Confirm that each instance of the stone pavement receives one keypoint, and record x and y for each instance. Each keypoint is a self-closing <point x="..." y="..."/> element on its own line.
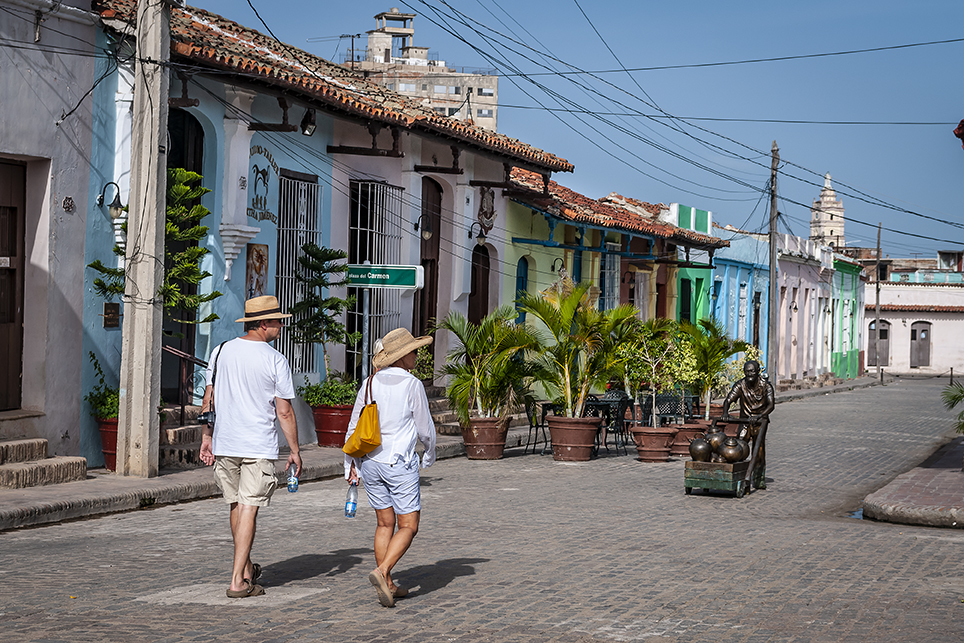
<point x="526" y="549"/>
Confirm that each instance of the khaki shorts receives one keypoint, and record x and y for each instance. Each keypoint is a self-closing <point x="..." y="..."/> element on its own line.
<point x="247" y="481"/>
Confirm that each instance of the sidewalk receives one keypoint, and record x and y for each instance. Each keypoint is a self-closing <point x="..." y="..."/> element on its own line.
<point x="932" y="494"/>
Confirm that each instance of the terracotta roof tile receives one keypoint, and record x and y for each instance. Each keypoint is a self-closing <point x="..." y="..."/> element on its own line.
<point x="209" y="40"/>
<point x="568" y="204"/>
<point x="916" y="308"/>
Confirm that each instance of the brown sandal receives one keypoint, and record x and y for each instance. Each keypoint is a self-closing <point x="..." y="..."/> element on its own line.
<point x="250" y="590"/>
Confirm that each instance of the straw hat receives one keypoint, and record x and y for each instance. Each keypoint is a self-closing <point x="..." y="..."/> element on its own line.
<point x="396" y="345"/>
<point x="259" y="308"/>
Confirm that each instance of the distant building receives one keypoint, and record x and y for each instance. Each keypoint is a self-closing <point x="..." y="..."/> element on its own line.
<point x="392" y="60"/>
<point x="827" y="217"/>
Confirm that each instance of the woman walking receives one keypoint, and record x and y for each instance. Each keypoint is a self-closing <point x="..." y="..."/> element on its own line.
<point x="390" y="472"/>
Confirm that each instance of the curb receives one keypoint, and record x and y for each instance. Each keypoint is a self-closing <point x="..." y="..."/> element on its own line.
<point x="790" y="396"/>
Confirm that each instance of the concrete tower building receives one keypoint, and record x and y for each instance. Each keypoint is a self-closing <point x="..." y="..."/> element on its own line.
<point x="827" y="217"/>
<point x="392" y="60"/>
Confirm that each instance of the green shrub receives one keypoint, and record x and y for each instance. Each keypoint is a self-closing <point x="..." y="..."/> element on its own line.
<point x="334" y="390"/>
<point x="104" y="400"/>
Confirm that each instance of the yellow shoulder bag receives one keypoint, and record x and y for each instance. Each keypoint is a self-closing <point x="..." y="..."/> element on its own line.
<point x="367" y="436"/>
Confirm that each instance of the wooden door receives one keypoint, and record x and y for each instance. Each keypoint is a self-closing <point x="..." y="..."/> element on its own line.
<point x="479" y="296"/>
<point x="12" y="203"/>
<point x="427" y="308"/>
<point x="920" y="344"/>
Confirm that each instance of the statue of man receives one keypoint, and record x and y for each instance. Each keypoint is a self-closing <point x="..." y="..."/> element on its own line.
<point x="755" y="395"/>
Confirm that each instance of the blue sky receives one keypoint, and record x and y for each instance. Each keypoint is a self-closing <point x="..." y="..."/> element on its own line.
<point x="878" y="169"/>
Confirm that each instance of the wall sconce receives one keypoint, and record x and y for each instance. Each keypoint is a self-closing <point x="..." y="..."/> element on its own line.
<point x="426" y="224"/>
<point x="553" y="268"/>
<point x="793" y="307"/>
<point x="116" y="208"/>
<point x="308" y="122"/>
<point x="480" y="235"/>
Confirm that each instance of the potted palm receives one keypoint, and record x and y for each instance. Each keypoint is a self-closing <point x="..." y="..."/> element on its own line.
<point x="104" y="403"/>
<point x="711" y="348"/>
<point x="317" y="321"/>
<point x="487" y="377"/>
<point x="577" y="354"/>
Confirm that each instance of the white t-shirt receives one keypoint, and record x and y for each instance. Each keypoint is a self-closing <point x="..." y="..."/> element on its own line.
<point x="251" y="374"/>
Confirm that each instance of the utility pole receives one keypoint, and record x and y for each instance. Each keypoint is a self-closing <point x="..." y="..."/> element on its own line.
<point x="772" y="339"/>
<point x="140" y="373"/>
<point x="877" y="306"/>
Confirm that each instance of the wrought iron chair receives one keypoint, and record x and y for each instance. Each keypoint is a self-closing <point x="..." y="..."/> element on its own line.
<point x="533" y="415"/>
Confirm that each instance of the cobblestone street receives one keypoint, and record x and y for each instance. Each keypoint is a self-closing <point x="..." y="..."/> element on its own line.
<point x="528" y="549"/>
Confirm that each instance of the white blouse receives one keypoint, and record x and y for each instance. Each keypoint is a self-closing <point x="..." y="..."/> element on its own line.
<point x="403" y="416"/>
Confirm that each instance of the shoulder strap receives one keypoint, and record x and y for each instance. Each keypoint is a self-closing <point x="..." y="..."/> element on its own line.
<point x="368" y="389"/>
<point x="214" y="375"/>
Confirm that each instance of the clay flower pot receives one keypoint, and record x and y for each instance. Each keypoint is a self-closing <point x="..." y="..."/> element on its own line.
<point x="108" y="441"/>
<point x="331" y="424"/>
<point x="653" y="443"/>
<point x="687" y="432"/>
<point x="485" y="438"/>
<point x="572" y="438"/>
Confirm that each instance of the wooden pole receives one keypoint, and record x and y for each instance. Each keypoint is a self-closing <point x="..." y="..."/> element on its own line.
<point x="772" y="339"/>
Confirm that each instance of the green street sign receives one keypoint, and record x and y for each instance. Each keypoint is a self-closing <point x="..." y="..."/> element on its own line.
<point x="371" y="276"/>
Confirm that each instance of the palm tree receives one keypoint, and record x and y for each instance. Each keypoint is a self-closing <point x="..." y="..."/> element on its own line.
<point x="487" y="369"/>
<point x="577" y="344"/>
<point x="712" y="348"/>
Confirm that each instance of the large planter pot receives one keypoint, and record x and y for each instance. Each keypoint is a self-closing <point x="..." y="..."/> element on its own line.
<point x="485" y="438"/>
<point x="331" y="424"/>
<point x="108" y="441"/>
<point x="653" y="443"/>
<point x="687" y="432"/>
<point x="572" y="438"/>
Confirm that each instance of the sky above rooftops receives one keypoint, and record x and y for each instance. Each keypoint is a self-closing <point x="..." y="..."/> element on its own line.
<point x="616" y="126"/>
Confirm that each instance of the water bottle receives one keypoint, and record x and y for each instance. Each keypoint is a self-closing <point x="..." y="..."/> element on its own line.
<point x="292" y="478"/>
<point x="351" y="501"/>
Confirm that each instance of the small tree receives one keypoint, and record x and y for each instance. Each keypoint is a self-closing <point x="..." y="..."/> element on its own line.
<point x="182" y="254"/>
<point x="646" y="356"/>
<point x="711" y="348"/>
<point x="317" y="315"/>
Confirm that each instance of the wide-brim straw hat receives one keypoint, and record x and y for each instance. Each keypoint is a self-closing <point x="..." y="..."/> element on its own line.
<point x="396" y="345"/>
<point x="260" y="308"/>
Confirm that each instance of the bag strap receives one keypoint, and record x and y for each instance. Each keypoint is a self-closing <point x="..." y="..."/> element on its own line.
<point x="368" y="389"/>
<point x="214" y="375"/>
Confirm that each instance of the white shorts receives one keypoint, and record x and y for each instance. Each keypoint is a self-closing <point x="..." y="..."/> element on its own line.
<point x="393" y="486"/>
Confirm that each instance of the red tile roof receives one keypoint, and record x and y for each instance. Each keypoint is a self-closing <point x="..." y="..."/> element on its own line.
<point x="208" y="40"/>
<point x="916" y="308"/>
<point x="570" y="205"/>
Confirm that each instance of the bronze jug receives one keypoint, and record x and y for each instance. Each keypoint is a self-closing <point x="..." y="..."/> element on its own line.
<point x="715" y="437"/>
<point x="700" y="450"/>
<point x="732" y="450"/>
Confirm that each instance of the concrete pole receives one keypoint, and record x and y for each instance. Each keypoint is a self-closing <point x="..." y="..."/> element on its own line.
<point x="877" y="306"/>
<point x="773" y="340"/>
<point x="138" y="427"/>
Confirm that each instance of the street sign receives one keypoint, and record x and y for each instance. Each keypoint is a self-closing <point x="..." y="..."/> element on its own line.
<point x="372" y="276"/>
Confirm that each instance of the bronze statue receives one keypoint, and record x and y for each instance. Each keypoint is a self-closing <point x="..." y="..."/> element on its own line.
<point x="755" y="395"/>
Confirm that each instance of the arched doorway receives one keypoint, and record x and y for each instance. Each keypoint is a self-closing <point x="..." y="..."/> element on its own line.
<point x="431" y="219"/>
<point x="920" y="344"/>
<point x="521" y="285"/>
<point x="186" y="150"/>
<point x="883" y="343"/>
<point x="479" y="296"/>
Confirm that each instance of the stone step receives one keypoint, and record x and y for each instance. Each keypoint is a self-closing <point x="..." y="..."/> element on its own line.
<point x="17" y="475"/>
<point x="453" y="428"/>
<point x="24" y="450"/>
<point x="180" y="456"/>
<point x="181" y="435"/>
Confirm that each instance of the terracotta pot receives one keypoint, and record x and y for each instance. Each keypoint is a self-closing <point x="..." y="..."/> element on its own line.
<point x="687" y="432"/>
<point x="485" y="438"/>
<point x="572" y="438"/>
<point x="653" y="443"/>
<point x="108" y="441"/>
<point x="331" y="424"/>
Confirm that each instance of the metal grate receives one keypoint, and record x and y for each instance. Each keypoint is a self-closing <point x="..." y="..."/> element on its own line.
<point x="297" y="225"/>
<point x="375" y="235"/>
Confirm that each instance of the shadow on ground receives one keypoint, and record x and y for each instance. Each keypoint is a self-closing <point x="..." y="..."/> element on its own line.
<point x="312" y="565"/>
<point x="429" y="578"/>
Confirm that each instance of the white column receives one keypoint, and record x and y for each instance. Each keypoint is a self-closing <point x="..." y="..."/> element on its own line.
<point x="123" y="107"/>
<point x="235" y="231"/>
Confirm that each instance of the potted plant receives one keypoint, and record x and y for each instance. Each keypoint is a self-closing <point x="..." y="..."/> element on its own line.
<point x="577" y="354"/>
<point x="317" y="321"/>
<point x="104" y="403"/>
<point x="488" y="377"/>
<point x="331" y="405"/>
<point x="711" y="348"/>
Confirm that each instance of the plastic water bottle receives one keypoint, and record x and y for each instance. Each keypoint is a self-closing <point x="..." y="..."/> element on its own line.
<point x="351" y="501"/>
<point x="292" y="479"/>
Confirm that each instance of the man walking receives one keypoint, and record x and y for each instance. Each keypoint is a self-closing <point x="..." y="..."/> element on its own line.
<point x="250" y="386"/>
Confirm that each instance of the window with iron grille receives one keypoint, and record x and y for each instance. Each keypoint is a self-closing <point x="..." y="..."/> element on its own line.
<point x="297" y="225"/>
<point x="609" y="278"/>
<point x="374" y="235"/>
